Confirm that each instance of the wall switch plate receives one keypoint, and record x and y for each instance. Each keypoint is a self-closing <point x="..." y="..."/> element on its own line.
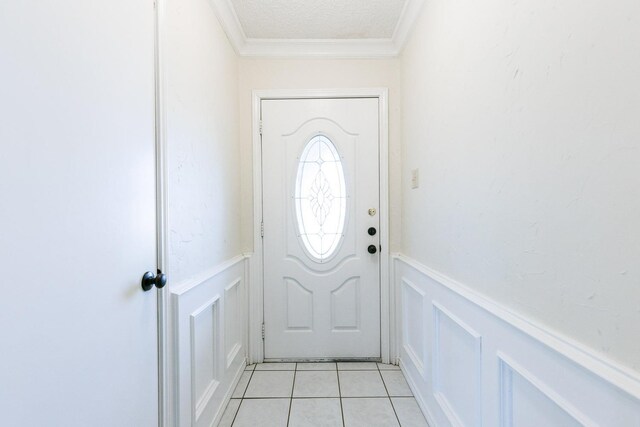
<point x="415" y="178"/>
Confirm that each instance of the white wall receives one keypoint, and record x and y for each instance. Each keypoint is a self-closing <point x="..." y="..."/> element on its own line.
<point x="318" y="74"/>
<point x="522" y="118"/>
<point x="207" y="274"/>
<point x="201" y="122"/>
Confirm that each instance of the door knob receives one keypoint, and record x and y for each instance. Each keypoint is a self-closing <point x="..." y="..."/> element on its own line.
<point x="372" y="249"/>
<point x="149" y="280"/>
<point x="371" y="231"/>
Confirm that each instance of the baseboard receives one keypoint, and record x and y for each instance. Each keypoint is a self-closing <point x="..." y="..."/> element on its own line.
<point x="418" y="396"/>
<point x="227" y="397"/>
<point x="470" y="361"/>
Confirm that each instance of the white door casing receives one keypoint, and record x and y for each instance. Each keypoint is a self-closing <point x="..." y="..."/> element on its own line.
<point x="77" y="170"/>
<point x="321" y="306"/>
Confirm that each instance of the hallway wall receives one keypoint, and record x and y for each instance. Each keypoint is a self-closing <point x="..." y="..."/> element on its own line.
<point x="206" y="270"/>
<point x="201" y="112"/>
<point x="318" y="74"/>
<point x="522" y="119"/>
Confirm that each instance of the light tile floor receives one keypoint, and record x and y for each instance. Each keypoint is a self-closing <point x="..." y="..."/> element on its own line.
<point x="350" y="394"/>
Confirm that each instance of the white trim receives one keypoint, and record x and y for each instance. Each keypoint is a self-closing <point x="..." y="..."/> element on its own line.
<point x="189" y="284"/>
<point x="226" y="14"/>
<point x="198" y="405"/>
<point x="256" y="285"/>
<point x="420" y="398"/>
<point x="418" y="362"/>
<point x="408" y="17"/>
<point x="385" y="220"/>
<point x="230" y="355"/>
<point x="507" y="368"/>
<point x="228" y="395"/>
<point x="245" y="298"/>
<point x="318" y="48"/>
<point x="395" y="313"/>
<point x="549" y="367"/>
<point x="185" y="300"/>
<point x="254" y="295"/>
<point x="436" y="372"/>
<point x="164" y="390"/>
<point x="606" y="369"/>
<point x="259" y="95"/>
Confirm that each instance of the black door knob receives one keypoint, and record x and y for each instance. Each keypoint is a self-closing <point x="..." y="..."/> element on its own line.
<point x="371" y="231"/>
<point x="149" y="280"/>
<point x="372" y="249"/>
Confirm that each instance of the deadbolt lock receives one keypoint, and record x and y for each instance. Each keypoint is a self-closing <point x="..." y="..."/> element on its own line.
<point x="372" y="212"/>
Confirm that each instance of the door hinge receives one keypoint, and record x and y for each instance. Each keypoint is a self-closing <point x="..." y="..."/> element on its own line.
<point x="262" y="229"/>
<point x="263" y="331"/>
<point x="260" y="127"/>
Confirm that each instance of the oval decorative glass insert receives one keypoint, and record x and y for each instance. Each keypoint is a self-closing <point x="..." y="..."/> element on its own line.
<point x="320" y="198"/>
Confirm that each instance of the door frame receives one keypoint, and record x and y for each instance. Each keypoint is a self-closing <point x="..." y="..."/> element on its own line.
<point x="256" y="282"/>
<point x="162" y="228"/>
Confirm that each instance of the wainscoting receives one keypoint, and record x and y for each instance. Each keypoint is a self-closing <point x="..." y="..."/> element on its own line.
<point x="208" y="316"/>
<point x="470" y="362"/>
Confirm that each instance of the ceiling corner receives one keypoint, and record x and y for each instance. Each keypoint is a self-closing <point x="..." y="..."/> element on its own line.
<point x="316" y="48"/>
<point x="406" y="22"/>
<point x="230" y="24"/>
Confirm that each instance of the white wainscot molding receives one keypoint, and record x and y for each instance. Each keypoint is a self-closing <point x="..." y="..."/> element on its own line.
<point x="471" y="362"/>
<point x="208" y="329"/>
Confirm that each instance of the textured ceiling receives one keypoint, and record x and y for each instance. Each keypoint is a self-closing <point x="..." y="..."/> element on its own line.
<point x="318" y="19"/>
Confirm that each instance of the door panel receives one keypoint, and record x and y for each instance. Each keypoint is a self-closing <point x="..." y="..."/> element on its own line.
<point x="77" y="186"/>
<point x="322" y="286"/>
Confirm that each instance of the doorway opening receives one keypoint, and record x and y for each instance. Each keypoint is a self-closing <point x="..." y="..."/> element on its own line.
<point x="320" y="282"/>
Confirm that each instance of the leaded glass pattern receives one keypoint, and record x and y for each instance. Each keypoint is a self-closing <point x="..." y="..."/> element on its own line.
<point x="320" y="198"/>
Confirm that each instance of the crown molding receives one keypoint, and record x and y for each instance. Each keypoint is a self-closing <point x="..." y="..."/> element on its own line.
<point x="230" y="23"/>
<point x="316" y="48"/>
<point x="408" y="17"/>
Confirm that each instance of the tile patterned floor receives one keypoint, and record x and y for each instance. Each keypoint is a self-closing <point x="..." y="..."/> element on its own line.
<point x="350" y="394"/>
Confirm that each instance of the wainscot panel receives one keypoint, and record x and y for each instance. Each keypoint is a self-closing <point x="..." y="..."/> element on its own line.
<point x="471" y="362"/>
<point x="209" y="334"/>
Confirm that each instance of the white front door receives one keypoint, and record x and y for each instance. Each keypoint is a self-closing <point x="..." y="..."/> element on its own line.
<point x="77" y="214"/>
<point x="321" y="228"/>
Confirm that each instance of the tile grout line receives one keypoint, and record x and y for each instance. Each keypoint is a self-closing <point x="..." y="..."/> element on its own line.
<point x="243" y="393"/>
<point x="324" y="397"/>
<point x="340" y="395"/>
<point x="293" y="386"/>
<point x="284" y="397"/>
<point x="393" y="408"/>
<point x="236" y="414"/>
<point x="248" y="382"/>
